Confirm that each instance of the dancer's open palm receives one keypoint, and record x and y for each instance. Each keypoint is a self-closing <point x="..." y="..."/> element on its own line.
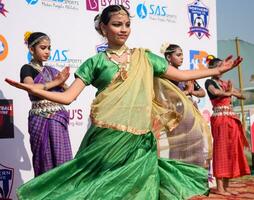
<point x="63" y="75"/>
<point x="24" y="86"/>
<point x="229" y="64"/>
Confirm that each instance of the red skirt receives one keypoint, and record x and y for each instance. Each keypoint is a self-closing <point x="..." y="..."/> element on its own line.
<point x="229" y="160"/>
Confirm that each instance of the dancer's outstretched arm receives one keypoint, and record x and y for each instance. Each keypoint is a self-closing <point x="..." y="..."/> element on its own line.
<point x="65" y="97"/>
<point x="185" y="75"/>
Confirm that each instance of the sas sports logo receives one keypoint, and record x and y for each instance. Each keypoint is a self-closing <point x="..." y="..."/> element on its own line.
<point x="155" y="12"/>
<point x="3" y="48"/>
<point x="32" y="2"/>
<point x="142" y="11"/>
<point x="60" y="55"/>
<point x="151" y="10"/>
<point x="199" y="19"/>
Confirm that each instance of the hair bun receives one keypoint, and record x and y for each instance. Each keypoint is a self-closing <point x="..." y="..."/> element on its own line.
<point x="164" y="47"/>
<point x="26" y="36"/>
<point x="97" y="21"/>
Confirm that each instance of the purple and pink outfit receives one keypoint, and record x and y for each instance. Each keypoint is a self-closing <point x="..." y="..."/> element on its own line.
<point x="47" y="125"/>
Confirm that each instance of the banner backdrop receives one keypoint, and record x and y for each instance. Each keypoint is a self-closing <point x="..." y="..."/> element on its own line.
<point x="69" y="23"/>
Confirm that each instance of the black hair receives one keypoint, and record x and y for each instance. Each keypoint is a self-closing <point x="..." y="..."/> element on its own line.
<point x="106" y="14"/>
<point x="34" y="38"/>
<point x="213" y="63"/>
<point x="171" y="49"/>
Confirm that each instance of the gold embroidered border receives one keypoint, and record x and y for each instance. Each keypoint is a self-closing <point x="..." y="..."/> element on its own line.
<point x="118" y="127"/>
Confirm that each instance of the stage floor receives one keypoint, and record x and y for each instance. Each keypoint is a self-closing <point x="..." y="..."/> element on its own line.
<point x="244" y="186"/>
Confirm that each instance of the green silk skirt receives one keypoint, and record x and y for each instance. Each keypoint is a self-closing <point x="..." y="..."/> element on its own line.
<point x="112" y="165"/>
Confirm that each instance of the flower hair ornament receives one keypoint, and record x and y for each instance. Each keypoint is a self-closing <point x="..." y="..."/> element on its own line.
<point x="164" y="47"/>
<point x="26" y="37"/>
<point x="209" y="58"/>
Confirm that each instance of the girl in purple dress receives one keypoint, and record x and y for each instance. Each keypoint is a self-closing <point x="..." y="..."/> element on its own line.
<point x="47" y="121"/>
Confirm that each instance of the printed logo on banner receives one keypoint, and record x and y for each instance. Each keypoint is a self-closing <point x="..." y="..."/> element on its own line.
<point x="32" y="2"/>
<point x="57" y="4"/>
<point x="60" y="58"/>
<point x="6" y="182"/>
<point x="156" y="12"/>
<point x="199" y="18"/>
<point x="3" y="11"/>
<point x="3" y="48"/>
<point x="92" y="5"/>
<point x="101" y="47"/>
<point x="96" y="5"/>
<point x="6" y="119"/>
<point x="76" y="117"/>
<point x="55" y="55"/>
<point x="198" y="59"/>
<point x="142" y="11"/>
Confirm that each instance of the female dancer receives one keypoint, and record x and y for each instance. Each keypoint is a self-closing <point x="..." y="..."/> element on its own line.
<point x="174" y="55"/>
<point x="47" y="121"/>
<point x="187" y="142"/>
<point x="117" y="158"/>
<point x="228" y="135"/>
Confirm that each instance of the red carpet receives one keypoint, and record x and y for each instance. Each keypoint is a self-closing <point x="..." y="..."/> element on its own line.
<point x="244" y="186"/>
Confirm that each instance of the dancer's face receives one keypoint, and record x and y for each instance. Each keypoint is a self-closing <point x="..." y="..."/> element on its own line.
<point x="117" y="30"/>
<point x="176" y="58"/>
<point x="41" y="51"/>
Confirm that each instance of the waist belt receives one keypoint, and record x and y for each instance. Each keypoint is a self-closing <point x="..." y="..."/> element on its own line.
<point x="223" y="111"/>
<point x="43" y="107"/>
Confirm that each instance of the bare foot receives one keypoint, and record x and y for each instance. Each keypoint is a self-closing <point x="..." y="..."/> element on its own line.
<point x="232" y="192"/>
<point x="224" y="193"/>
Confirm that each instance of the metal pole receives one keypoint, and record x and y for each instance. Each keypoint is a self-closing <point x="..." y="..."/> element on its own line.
<point x="240" y="82"/>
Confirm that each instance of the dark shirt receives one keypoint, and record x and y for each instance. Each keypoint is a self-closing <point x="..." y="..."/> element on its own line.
<point x="27" y="70"/>
<point x="209" y="82"/>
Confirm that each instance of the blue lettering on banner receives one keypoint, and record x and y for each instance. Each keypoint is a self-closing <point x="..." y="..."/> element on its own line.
<point x="158" y="10"/>
<point x="57" y="55"/>
<point x="151" y="9"/>
<point x="32" y="2"/>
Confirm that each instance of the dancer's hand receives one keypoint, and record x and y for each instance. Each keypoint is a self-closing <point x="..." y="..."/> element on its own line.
<point x="189" y="87"/>
<point x="63" y="76"/>
<point x="229" y="86"/>
<point x="23" y="86"/>
<point x="229" y="64"/>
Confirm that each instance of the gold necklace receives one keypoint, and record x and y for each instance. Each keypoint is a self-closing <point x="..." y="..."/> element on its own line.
<point x="118" y="52"/>
<point x="123" y="66"/>
<point x="36" y="66"/>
